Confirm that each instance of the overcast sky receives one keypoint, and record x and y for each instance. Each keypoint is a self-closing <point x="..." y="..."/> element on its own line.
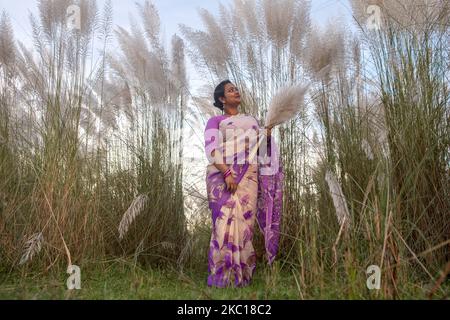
<point x="172" y="13"/>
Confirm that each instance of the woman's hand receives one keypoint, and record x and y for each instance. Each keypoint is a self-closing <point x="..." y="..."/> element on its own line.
<point x="231" y="184"/>
<point x="269" y="130"/>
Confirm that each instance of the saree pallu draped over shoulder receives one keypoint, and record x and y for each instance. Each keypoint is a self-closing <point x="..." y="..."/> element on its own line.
<point x="259" y="175"/>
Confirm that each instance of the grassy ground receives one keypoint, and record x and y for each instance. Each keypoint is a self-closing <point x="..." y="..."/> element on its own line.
<point x="123" y="281"/>
<point x="128" y="283"/>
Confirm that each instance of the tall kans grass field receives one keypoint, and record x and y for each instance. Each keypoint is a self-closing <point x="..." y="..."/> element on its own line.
<point x="102" y="162"/>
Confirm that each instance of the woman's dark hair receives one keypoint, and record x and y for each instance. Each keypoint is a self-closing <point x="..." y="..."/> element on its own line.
<point x="219" y="92"/>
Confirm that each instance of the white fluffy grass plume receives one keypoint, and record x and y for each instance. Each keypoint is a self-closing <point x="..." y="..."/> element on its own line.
<point x="135" y="209"/>
<point x="286" y="104"/>
<point x="408" y="15"/>
<point x="339" y="201"/>
<point x="32" y="247"/>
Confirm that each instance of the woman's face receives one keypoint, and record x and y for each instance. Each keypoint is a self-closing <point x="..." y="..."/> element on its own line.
<point x="232" y="96"/>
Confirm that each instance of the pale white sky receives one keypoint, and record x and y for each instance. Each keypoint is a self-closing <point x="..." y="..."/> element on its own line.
<point x="172" y="13"/>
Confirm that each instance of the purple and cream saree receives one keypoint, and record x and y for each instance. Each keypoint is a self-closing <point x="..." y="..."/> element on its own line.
<point x="257" y="171"/>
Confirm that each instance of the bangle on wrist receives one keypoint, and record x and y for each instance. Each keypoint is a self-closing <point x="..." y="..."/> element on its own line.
<point x="227" y="173"/>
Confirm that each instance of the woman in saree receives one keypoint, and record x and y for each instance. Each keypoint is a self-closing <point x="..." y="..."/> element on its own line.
<point x="244" y="186"/>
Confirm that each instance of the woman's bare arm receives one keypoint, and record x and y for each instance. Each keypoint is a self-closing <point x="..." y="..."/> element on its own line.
<point x="229" y="181"/>
<point x="220" y="166"/>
